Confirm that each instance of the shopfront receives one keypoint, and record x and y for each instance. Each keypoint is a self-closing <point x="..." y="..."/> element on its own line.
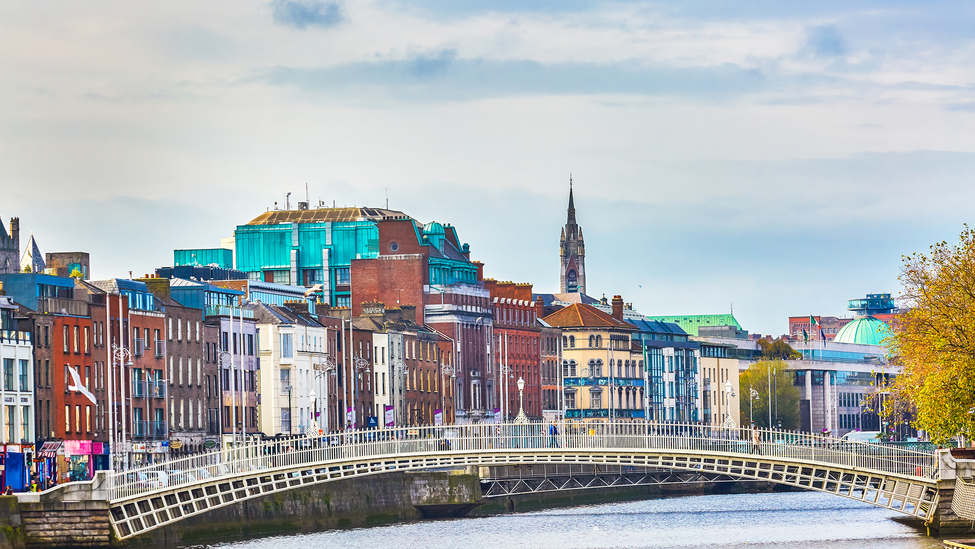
<point x="16" y="466"/>
<point x="47" y="463"/>
<point x="79" y="464"/>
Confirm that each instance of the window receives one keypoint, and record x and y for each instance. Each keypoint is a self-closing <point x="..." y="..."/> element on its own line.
<point x="87" y="335"/>
<point x="24" y="422"/>
<point x="87" y="418"/>
<point x="572" y="341"/>
<point x="570" y="400"/>
<point x="595" y="399"/>
<point x="77" y="418"/>
<point x="343" y="276"/>
<point x="67" y="418"/>
<point x="286" y="346"/>
<point x="225" y="340"/>
<point x="285" y="380"/>
<point x="65" y="338"/>
<point x="8" y="375"/>
<point x="250" y="344"/>
<point x="285" y="420"/>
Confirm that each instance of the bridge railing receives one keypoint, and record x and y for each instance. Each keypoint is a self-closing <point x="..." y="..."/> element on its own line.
<point x="532" y="437"/>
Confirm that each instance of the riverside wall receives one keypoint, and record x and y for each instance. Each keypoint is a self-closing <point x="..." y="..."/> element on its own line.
<point x="363" y="501"/>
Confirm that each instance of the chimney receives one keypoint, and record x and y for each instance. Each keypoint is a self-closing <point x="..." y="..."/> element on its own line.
<point x="618" y="308"/>
<point x="539" y="307"/>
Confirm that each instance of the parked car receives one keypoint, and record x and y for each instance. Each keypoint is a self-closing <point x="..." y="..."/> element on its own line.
<point x="153" y="479"/>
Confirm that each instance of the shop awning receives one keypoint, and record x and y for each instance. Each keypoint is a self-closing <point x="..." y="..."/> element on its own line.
<point x="50" y="449"/>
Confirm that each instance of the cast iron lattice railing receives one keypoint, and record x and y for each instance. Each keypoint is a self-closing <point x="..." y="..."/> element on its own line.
<point x="636" y="436"/>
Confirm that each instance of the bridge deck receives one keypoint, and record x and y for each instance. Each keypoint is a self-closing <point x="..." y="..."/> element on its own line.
<point x="895" y="478"/>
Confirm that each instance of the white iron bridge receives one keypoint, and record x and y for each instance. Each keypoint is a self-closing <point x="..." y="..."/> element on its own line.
<point x="893" y="477"/>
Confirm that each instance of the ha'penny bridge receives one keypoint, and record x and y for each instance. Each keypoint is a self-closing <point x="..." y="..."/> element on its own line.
<point x="903" y="479"/>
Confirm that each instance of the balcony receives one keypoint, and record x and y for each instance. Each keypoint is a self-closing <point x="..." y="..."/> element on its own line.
<point x="138" y="389"/>
<point x="227" y="310"/>
<point x="156" y="389"/>
<point x="149" y="429"/>
<point x="62" y="306"/>
<point x="160" y="348"/>
<point x="138" y="347"/>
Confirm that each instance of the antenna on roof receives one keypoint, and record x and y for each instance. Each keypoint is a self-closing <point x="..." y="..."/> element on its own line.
<point x="307" y="200"/>
<point x="387" y="198"/>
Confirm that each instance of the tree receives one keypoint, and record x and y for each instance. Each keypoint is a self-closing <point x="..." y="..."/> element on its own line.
<point x="778" y="349"/>
<point x="783" y="397"/>
<point x="934" y="340"/>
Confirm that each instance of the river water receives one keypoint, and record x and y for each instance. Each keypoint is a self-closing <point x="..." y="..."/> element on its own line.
<point x="801" y="520"/>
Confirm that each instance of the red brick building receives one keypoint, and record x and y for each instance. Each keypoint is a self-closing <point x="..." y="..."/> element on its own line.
<point x="517" y="338"/>
<point x="427" y="267"/>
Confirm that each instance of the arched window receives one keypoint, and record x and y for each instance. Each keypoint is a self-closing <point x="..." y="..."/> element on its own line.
<point x="565" y="342"/>
<point x="572" y="341"/>
<point x="572" y="368"/>
<point x="599" y="341"/>
<point x="598" y="368"/>
<point x="592" y="340"/>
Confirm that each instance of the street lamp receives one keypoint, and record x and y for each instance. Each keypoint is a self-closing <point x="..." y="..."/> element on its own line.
<point x="313" y="425"/>
<point x="360" y="365"/>
<point x="754" y="397"/>
<point x="324" y="368"/>
<point x="122" y="355"/>
<point x="729" y="394"/>
<point x="521" y="417"/>
<point x="445" y="370"/>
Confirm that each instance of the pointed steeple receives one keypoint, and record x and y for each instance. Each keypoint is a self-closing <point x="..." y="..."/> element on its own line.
<point x="571" y="220"/>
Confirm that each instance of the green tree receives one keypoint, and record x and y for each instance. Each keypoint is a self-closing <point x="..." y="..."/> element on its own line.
<point x="765" y="383"/>
<point x="934" y="340"/>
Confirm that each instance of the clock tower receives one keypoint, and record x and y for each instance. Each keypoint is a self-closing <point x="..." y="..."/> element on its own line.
<point x="572" y="252"/>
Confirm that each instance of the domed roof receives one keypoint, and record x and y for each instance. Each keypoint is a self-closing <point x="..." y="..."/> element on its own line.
<point x="863" y="331"/>
<point x="433" y="228"/>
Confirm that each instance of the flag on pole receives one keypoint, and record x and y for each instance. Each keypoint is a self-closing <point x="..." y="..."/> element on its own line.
<point x="805" y="335"/>
<point x="821" y="334"/>
<point x="812" y="320"/>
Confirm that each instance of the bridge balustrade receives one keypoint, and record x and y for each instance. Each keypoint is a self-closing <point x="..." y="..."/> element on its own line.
<point x="332" y="449"/>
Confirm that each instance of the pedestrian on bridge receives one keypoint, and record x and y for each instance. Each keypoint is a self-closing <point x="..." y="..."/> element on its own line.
<point x="756" y="449"/>
<point x="553" y="436"/>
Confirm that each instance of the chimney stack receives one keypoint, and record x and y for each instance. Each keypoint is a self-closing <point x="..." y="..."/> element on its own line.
<point x="539" y="307"/>
<point x="618" y="307"/>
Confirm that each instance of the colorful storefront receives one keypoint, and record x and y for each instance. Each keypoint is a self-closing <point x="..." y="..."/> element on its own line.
<point x="16" y="466"/>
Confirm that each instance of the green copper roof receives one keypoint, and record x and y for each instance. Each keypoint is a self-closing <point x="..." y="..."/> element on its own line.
<point x="690" y="323"/>
<point x="863" y="331"/>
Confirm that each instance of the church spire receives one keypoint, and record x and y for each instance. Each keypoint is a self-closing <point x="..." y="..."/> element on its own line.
<point x="571" y="220"/>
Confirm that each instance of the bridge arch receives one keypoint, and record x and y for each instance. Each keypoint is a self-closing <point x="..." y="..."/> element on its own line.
<point x="901" y="480"/>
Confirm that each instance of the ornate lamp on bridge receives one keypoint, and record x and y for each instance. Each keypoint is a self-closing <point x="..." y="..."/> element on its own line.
<point x="521" y="417"/>
<point x="729" y="390"/>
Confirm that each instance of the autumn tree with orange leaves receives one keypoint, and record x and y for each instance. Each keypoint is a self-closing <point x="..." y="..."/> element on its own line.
<point x="934" y="340"/>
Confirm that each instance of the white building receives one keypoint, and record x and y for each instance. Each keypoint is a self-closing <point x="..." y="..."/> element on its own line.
<point x="17" y="379"/>
<point x="291" y="343"/>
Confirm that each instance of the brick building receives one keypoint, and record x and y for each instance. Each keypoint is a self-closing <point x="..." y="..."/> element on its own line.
<point x="517" y="338"/>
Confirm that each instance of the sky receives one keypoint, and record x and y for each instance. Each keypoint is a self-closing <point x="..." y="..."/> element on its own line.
<point x="777" y="158"/>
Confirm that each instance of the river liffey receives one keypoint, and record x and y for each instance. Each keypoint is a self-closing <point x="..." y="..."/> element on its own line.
<point x="800" y="520"/>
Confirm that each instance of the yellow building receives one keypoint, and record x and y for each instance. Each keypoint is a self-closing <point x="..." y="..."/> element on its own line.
<point x="720" y="391"/>
<point x="603" y="372"/>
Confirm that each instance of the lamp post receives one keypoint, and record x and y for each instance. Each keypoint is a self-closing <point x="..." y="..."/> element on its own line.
<point x="360" y="365"/>
<point x="123" y="356"/>
<point x="313" y="424"/>
<point x="754" y="396"/>
<point x="325" y="367"/>
<point x="729" y="394"/>
<point x="521" y="417"/>
<point x="445" y="371"/>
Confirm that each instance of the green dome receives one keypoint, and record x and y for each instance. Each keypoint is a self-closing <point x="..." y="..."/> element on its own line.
<point x="863" y="331"/>
<point x="433" y="228"/>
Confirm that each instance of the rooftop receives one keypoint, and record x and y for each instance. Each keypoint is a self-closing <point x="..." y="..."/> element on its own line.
<point x="325" y="215"/>
<point x="579" y="315"/>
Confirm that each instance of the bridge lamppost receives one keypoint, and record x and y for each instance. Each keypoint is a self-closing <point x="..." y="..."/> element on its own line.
<point x="360" y="366"/>
<point x="729" y="394"/>
<point x="754" y="396"/>
<point x="445" y="370"/>
<point x="123" y="356"/>
<point x="325" y="367"/>
<point x="521" y="417"/>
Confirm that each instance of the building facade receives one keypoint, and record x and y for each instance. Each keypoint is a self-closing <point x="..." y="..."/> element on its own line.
<point x="602" y="371"/>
